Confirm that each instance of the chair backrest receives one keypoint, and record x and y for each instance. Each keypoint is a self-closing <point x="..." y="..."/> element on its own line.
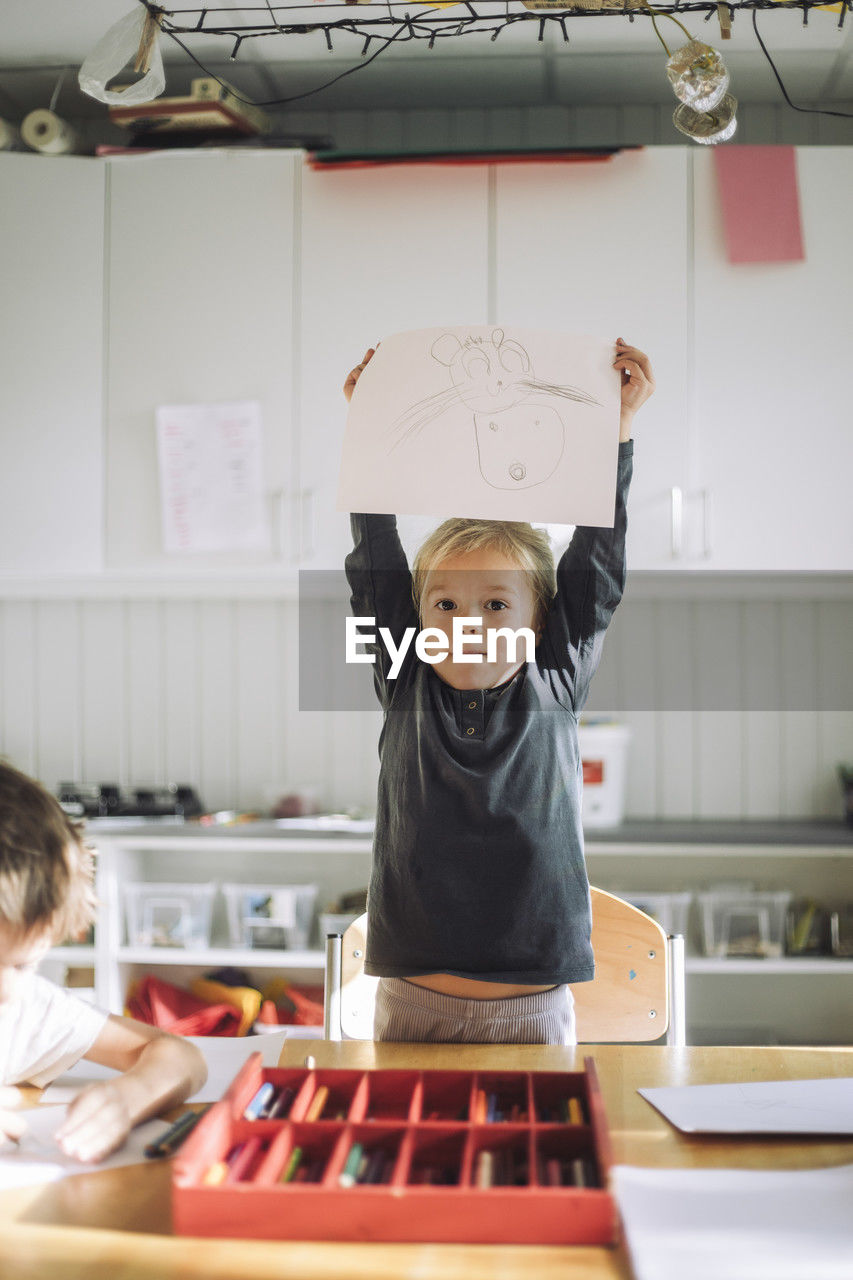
<point x="628" y="1000"/>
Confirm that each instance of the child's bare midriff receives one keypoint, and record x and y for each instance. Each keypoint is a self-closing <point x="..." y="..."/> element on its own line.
<point x="471" y="989"/>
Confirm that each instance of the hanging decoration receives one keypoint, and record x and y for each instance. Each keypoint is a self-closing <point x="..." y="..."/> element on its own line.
<point x="696" y="72"/>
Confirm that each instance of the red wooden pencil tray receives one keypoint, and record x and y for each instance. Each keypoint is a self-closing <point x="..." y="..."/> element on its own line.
<point x="548" y="1168"/>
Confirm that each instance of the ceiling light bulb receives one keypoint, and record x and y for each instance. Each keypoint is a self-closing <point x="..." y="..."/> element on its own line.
<point x="698" y="75"/>
<point x="707" y="127"/>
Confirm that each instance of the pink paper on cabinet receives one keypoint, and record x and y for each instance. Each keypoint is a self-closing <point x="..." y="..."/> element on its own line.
<point x="760" y="203"/>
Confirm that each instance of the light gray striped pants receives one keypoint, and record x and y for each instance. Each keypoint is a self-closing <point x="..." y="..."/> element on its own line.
<point x="407" y="1011"/>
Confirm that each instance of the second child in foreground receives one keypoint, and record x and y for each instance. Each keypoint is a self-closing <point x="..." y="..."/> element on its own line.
<point x="46" y="896"/>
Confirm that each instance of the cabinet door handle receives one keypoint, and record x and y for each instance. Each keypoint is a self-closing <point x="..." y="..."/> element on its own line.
<point x="706" y="523"/>
<point x="278" y="522"/>
<point x="676" y="522"/>
<point x="306" y="525"/>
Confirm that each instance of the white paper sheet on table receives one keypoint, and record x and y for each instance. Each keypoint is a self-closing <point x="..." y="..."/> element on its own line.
<point x="736" y="1224"/>
<point x="224" y="1056"/>
<point x="771" y="1106"/>
<point x="476" y="421"/>
<point x="211" y="477"/>
<point x="37" y="1158"/>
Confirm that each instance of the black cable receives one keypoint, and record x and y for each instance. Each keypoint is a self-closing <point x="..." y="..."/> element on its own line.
<point x="278" y="102"/>
<point x="815" y="111"/>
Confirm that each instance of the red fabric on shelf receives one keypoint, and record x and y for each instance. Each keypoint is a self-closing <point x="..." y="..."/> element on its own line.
<point x="171" y="1008"/>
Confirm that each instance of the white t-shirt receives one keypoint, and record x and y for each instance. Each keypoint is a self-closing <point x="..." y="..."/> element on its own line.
<point x="44" y="1030"/>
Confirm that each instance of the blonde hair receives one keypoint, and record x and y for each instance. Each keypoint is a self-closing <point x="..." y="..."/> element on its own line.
<point x="46" y="871"/>
<point x="529" y="547"/>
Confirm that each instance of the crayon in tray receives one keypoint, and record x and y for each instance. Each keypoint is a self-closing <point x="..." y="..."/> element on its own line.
<point x="464" y="1156"/>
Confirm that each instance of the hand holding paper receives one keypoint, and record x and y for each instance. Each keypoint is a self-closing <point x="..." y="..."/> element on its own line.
<point x="480" y="422"/>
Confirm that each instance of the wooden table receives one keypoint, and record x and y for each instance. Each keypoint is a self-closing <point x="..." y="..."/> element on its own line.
<point x="115" y="1225"/>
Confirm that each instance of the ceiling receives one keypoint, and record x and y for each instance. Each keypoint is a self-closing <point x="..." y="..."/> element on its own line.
<point x="609" y="60"/>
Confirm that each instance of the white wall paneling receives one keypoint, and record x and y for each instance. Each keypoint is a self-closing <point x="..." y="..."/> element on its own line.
<point x="206" y="692"/>
<point x="382" y="250"/>
<point x="775" y="450"/>
<point x="602" y="247"/>
<point x="201" y="253"/>
<point x="51" y="360"/>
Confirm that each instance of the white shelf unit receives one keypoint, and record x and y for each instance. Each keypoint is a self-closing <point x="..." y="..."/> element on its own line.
<point x="785" y="1000"/>
<point x="190" y="854"/>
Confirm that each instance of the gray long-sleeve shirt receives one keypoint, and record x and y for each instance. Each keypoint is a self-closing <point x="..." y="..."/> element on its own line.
<point x="478" y="866"/>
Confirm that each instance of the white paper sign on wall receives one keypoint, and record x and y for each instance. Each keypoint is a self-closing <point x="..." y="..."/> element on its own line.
<point x="483" y="422"/>
<point x="211" y="477"/>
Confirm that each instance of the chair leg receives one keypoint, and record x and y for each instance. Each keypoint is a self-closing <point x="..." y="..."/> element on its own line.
<point x="676" y="1033"/>
<point x="332" y="988"/>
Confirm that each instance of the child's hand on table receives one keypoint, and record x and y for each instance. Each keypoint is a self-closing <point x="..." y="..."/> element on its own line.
<point x="638" y="383"/>
<point x="354" y="374"/>
<point x="13" y="1126"/>
<point x="97" y="1121"/>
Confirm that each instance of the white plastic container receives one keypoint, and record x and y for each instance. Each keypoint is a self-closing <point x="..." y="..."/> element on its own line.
<point x="669" y="909"/>
<point x="270" y="915"/>
<point x="604" y="757"/>
<point x="747" y="923"/>
<point x="169" y="915"/>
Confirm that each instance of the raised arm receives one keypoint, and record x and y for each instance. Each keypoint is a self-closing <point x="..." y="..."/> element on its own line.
<point x="378" y="572"/>
<point x="591" y="572"/>
<point x="590" y="582"/>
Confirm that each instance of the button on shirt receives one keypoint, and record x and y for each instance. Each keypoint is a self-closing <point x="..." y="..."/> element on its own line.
<point x="478" y="865"/>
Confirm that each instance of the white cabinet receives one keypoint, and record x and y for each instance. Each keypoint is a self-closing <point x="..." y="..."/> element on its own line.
<point x="602" y="247"/>
<point x="383" y="249"/>
<point x="231" y="275"/>
<point x="200" y="303"/>
<point x="772" y="384"/>
<point x="51" y="348"/>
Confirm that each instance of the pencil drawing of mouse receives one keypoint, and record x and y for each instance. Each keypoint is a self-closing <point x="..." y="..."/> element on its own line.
<point x="519" y="437"/>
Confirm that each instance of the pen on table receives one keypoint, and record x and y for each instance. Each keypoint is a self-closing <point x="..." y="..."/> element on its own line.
<point x="240" y="1165"/>
<point x="259" y="1101"/>
<point x="169" y="1142"/>
<point x="292" y="1165"/>
<point x="216" y="1174"/>
<point x="318" y="1102"/>
<point x="484" y="1169"/>
<point x="278" y="1108"/>
<point x="349" y="1174"/>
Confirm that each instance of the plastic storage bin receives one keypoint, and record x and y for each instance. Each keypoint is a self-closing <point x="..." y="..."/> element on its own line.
<point x="270" y="915"/>
<point x="445" y="1156"/>
<point x="168" y="915"/>
<point x="669" y="909"/>
<point x="604" y="753"/>
<point x="746" y="923"/>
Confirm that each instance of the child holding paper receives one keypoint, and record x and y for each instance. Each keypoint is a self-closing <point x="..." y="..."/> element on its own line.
<point x="478" y="908"/>
<point x="46" y="895"/>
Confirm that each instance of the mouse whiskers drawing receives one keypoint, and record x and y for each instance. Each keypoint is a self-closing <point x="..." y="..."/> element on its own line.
<point x="519" y="437"/>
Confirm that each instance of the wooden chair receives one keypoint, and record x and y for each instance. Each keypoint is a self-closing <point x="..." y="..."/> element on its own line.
<point x="637" y="994"/>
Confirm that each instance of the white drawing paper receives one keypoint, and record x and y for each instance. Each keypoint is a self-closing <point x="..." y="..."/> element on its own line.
<point x="484" y="422"/>
<point x="771" y="1106"/>
<point x="37" y="1158"/>
<point x="737" y="1224"/>
<point x="211" y="477"/>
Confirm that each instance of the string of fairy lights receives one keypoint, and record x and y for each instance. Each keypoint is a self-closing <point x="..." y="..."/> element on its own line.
<point x="695" y="70"/>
